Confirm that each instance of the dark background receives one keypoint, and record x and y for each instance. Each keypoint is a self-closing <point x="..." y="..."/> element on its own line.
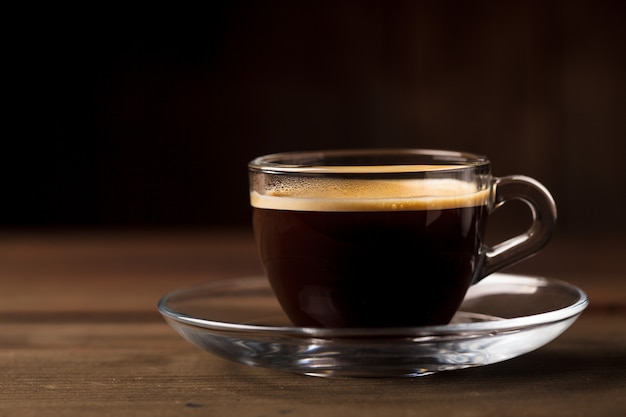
<point x="147" y="118"/>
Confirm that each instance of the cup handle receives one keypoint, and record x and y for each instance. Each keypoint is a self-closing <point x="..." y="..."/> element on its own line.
<point x="543" y="209"/>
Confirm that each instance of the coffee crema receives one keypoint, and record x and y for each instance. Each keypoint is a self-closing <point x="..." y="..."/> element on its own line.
<point x="329" y="194"/>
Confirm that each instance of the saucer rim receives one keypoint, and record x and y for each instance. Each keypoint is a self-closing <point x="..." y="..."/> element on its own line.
<point x="455" y="329"/>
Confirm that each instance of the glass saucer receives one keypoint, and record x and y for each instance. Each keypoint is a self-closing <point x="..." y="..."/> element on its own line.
<point x="502" y="317"/>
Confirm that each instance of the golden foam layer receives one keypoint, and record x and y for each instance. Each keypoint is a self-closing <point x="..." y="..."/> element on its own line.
<point x="360" y="195"/>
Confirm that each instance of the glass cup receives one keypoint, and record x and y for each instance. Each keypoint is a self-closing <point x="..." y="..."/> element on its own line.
<point x="384" y="237"/>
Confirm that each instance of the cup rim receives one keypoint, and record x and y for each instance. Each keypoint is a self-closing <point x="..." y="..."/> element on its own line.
<point x="295" y="162"/>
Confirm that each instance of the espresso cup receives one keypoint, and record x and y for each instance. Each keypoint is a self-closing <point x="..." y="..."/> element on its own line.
<point x="384" y="237"/>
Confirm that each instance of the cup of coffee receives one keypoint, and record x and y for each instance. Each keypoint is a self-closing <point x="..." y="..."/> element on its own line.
<point x="384" y="237"/>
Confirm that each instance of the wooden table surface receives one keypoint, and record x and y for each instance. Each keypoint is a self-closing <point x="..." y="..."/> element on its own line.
<point x="80" y="335"/>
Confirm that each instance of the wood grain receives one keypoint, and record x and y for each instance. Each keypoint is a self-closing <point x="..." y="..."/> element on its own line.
<point x="80" y="335"/>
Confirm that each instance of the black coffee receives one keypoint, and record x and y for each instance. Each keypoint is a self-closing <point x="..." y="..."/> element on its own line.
<point x="388" y="262"/>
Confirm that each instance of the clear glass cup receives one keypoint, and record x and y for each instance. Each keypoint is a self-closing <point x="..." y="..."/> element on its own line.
<point x="384" y="237"/>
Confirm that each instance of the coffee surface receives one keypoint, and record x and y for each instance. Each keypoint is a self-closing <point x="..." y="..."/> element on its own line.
<point x="329" y="194"/>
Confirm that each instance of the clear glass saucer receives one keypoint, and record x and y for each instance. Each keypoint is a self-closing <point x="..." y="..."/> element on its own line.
<point x="502" y="317"/>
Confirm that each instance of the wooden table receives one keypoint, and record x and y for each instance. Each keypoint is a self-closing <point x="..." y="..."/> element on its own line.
<point x="80" y="335"/>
